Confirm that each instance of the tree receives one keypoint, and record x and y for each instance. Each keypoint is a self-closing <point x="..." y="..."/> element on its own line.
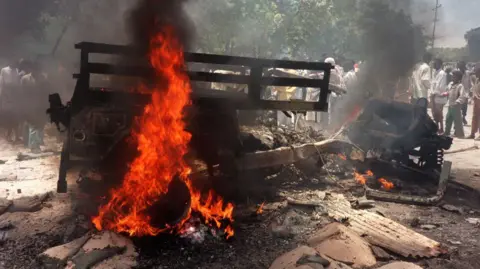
<point x="19" y="17"/>
<point x="473" y="39"/>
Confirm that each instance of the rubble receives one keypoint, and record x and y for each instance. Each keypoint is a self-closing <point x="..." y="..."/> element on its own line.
<point x="452" y="208"/>
<point x="474" y="221"/>
<point x="4" y="205"/>
<point x="341" y="244"/>
<point x="400" y="265"/>
<point x="28" y="204"/>
<point x="380" y="231"/>
<point x="289" y="260"/>
<point x="293" y="154"/>
<point x="106" y="250"/>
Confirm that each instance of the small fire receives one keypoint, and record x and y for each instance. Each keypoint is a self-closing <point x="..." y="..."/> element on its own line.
<point x="341" y="156"/>
<point x="162" y="143"/>
<point x="361" y="179"/>
<point x="387" y="185"/>
<point x="260" y="209"/>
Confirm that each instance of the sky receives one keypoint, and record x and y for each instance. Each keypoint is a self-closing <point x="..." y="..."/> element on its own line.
<point x="456" y="17"/>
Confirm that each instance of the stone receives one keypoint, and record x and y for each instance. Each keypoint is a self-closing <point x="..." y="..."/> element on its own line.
<point x="401" y="265"/>
<point x="428" y="227"/>
<point x="474" y="221"/>
<point x="4" y="205"/>
<point x="452" y="208"/>
<point x="380" y="253"/>
<point x="289" y="260"/>
<point x="339" y="243"/>
<point x="59" y="254"/>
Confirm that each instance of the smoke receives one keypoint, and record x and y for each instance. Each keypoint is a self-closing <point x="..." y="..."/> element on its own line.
<point x="150" y="16"/>
<point x="392" y="44"/>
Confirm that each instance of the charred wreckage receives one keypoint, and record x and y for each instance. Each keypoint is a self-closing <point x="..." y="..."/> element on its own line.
<point x="392" y="137"/>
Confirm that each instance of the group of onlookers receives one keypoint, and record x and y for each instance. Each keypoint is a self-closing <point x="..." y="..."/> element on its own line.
<point x="451" y="88"/>
<point x="23" y="91"/>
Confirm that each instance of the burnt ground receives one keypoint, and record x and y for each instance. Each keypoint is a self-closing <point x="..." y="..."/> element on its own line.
<point x="257" y="241"/>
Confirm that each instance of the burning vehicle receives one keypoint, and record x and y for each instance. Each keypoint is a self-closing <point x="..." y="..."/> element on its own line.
<point x="153" y="126"/>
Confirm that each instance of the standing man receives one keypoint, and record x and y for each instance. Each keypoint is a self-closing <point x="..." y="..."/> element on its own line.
<point x="467" y="85"/>
<point x="350" y="78"/>
<point x="9" y="86"/>
<point x="336" y="79"/>
<point x="34" y="84"/>
<point x="421" y="79"/>
<point x="476" y="103"/>
<point x="438" y="92"/>
<point x="456" y="98"/>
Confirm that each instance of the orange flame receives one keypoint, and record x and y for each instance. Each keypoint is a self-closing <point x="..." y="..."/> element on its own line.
<point x="260" y="209"/>
<point x="162" y="144"/>
<point x="387" y="185"/>
<point x="341" y="156"/>
<point x="361" y="179"/>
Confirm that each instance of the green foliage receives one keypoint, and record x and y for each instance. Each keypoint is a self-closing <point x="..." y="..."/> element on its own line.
<point x="451" y="54"/>
<point x="267" y="28"/>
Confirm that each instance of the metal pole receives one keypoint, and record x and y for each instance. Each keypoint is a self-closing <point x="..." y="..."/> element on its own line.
<point x="437" y="6"/>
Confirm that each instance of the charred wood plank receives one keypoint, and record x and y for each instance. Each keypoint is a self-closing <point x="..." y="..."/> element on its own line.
<point x="381" y="231"/>
<point x="288" y="155"/>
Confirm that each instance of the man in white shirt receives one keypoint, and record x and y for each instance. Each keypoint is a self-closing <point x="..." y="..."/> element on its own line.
<point x="350" y="78"/>
<point x="336" y="79"/>
<point x="438" y="92"/>
<point x="421" y="79"/>
<point x="9" y="85"/>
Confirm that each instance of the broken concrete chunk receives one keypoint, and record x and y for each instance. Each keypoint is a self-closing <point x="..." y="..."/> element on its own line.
<point x="28" y="204"/>
<point x="380" y="253"/>
<point x="341" y="244"/>
<point x="57" y="256"/>
<point x="317" y="259"/>
<point x="428" y="227"/>
<point x="474" y="221"/>
<point x="4" y="205"/>
<point x="452" y="208"/>
<point x="289" y="259"/>
<point x="124" y="256"/>
<point x="401" y="265"/>
<point x="85" y="260"/>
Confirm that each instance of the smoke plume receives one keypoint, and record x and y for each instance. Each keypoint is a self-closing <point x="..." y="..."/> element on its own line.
<point x="392" y="44"/>
<point x="149" y="16"/>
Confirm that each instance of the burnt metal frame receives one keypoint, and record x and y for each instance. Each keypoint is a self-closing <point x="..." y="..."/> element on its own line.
<point x="256" y="80"/>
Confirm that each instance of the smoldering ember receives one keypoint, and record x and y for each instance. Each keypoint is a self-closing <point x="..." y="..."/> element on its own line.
<point x="239" y="134"/>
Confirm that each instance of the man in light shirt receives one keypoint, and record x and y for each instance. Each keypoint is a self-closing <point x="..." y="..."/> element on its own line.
<point x="9" y="86"/>
<point x="438" y="92"/>
<point x="476" y="103"/>
<point x="421" y="79"/>
<point x="456" y="98"/>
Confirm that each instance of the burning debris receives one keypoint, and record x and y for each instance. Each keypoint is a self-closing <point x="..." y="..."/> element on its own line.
<point x="162" y="144"/>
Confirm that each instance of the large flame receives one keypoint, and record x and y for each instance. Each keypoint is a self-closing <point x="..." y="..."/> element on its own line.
<point x="162" y="144"/>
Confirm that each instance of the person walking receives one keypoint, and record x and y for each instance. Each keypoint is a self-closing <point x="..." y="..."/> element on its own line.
<point x="438" y="92"/>
<point x="456" y="99"/>
<point x="476" y="103"/>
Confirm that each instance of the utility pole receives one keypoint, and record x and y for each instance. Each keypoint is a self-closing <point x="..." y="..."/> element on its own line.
<point x="435" y="20"/>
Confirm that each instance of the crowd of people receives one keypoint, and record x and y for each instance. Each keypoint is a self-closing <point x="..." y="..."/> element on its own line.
<point x="23" y="102"/>
<point x="451" y="87"/>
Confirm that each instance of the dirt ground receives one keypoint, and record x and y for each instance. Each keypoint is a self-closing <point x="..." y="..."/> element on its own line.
<point x="257" y="243"/>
